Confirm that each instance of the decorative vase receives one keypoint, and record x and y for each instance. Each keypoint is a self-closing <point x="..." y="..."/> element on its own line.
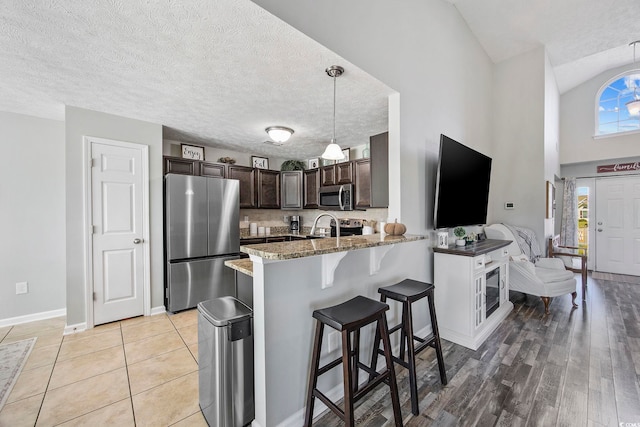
<point x="461" y="242"/>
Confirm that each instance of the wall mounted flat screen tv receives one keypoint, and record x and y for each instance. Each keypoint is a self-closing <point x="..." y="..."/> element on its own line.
<point x="462" y="185"/>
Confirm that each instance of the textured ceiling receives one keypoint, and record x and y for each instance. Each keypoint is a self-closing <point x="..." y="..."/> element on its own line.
<point x="219" y="72"/>
<point x="583" y="37"/>
<point x="212" y="72"/>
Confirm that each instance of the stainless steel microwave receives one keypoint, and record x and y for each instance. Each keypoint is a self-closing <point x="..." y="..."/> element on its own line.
<point x="336" y="197"/>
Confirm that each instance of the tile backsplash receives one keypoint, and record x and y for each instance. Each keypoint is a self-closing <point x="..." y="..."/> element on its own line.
<point x="275" y="218"/>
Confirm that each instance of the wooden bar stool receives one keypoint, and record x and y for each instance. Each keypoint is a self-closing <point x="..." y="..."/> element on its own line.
<point x="349" y="317"/>
<point x="407" y="292"/>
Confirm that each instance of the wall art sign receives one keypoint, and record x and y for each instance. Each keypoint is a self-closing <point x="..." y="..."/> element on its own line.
<point x="619" y="167"/>
<point x="260" y="162"/>
<point x="192" y="152"/>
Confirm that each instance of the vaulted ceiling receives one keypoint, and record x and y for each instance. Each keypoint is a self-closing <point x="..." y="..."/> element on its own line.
<point x="582" y="37"/>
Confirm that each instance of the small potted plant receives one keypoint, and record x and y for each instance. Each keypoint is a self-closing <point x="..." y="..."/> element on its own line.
<point x="459" y="232"/>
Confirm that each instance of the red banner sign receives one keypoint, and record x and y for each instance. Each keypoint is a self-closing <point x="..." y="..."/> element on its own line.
<point x="619" y="167"/>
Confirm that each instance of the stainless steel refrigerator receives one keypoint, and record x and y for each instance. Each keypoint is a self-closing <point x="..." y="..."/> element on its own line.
<point x="201" y="232"/>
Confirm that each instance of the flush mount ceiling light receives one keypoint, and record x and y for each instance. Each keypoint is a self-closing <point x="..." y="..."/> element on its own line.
<point x="634" y="105"/>
<point x="333" y="150"/>
<point x="279" y="133"/>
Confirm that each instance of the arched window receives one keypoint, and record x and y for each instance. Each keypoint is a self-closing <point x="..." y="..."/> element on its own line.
<point x="613" y="113"/>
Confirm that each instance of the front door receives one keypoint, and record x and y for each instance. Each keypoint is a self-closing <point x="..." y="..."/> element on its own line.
<point x="618" y="225"/>
<point x="117" y="189"/>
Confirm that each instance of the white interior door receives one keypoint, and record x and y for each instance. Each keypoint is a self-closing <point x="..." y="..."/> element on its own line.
<point x="117" y="188"/>
<point x="618" y="225"/>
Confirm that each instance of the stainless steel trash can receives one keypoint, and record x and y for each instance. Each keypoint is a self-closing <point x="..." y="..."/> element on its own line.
<point x="225" y="362"/>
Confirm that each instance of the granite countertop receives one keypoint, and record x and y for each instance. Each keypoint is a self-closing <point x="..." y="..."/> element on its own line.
<point x="243" y="265"/>
<point x="274" y="235"/>
<point x="327" y="245"/>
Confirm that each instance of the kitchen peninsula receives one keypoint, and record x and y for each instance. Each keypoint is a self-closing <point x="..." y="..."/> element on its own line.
<point x="290" y="280"/>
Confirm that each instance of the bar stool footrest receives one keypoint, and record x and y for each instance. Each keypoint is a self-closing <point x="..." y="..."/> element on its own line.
<point x="335" y="408"/>
<point x="371" y="385"/>
<point x="329" y="366"/>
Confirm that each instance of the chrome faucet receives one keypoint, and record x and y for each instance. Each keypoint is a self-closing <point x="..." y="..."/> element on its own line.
<point x="315" y="222"/>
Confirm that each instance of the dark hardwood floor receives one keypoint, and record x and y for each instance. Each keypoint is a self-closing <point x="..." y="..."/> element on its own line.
<point x="571" y="368"/>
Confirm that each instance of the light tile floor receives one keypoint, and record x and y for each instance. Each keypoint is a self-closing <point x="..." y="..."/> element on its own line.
<point x="137" y="372"/>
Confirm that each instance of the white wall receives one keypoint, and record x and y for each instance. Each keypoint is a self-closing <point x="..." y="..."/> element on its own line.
<point x="518" y="169"/>
<point x="81" y="122"/>
<point x="551" y="138"/>
<point x="32" y="215"/>
<point x="424" y="50"/>
<point x="577" y="125"/>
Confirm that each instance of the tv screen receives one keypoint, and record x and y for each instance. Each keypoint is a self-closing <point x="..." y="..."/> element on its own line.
<point x="462" y="185"/>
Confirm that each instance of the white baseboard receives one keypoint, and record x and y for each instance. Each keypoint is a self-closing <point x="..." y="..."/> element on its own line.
<point x="33" y="317"/>
<point x="69" y="329"/>
<point x="74" y="329"/>
<point x="79" y="327"/>
<point x="158" y="310"/>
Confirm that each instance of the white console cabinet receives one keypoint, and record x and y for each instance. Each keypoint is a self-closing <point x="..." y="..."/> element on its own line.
<point x="472" y="290"/>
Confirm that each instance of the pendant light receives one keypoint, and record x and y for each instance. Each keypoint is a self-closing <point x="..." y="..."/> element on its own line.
<point x="333" y="150"/>
<point x="634" y="105"/>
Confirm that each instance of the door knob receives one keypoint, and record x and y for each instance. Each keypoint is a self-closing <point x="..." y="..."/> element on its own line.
<point x="600" y="229"/>
<point x="136" y="241"/>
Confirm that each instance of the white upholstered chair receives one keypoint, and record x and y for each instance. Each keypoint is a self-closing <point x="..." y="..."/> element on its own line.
<point x="547" y="278"/>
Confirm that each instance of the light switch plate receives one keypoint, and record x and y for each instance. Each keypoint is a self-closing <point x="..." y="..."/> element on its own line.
<point x="22" y="288"/>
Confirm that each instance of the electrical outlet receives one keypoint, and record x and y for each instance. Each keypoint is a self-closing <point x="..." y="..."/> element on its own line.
<point x="22" y="288"/>
<point x="334" y="341"/>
